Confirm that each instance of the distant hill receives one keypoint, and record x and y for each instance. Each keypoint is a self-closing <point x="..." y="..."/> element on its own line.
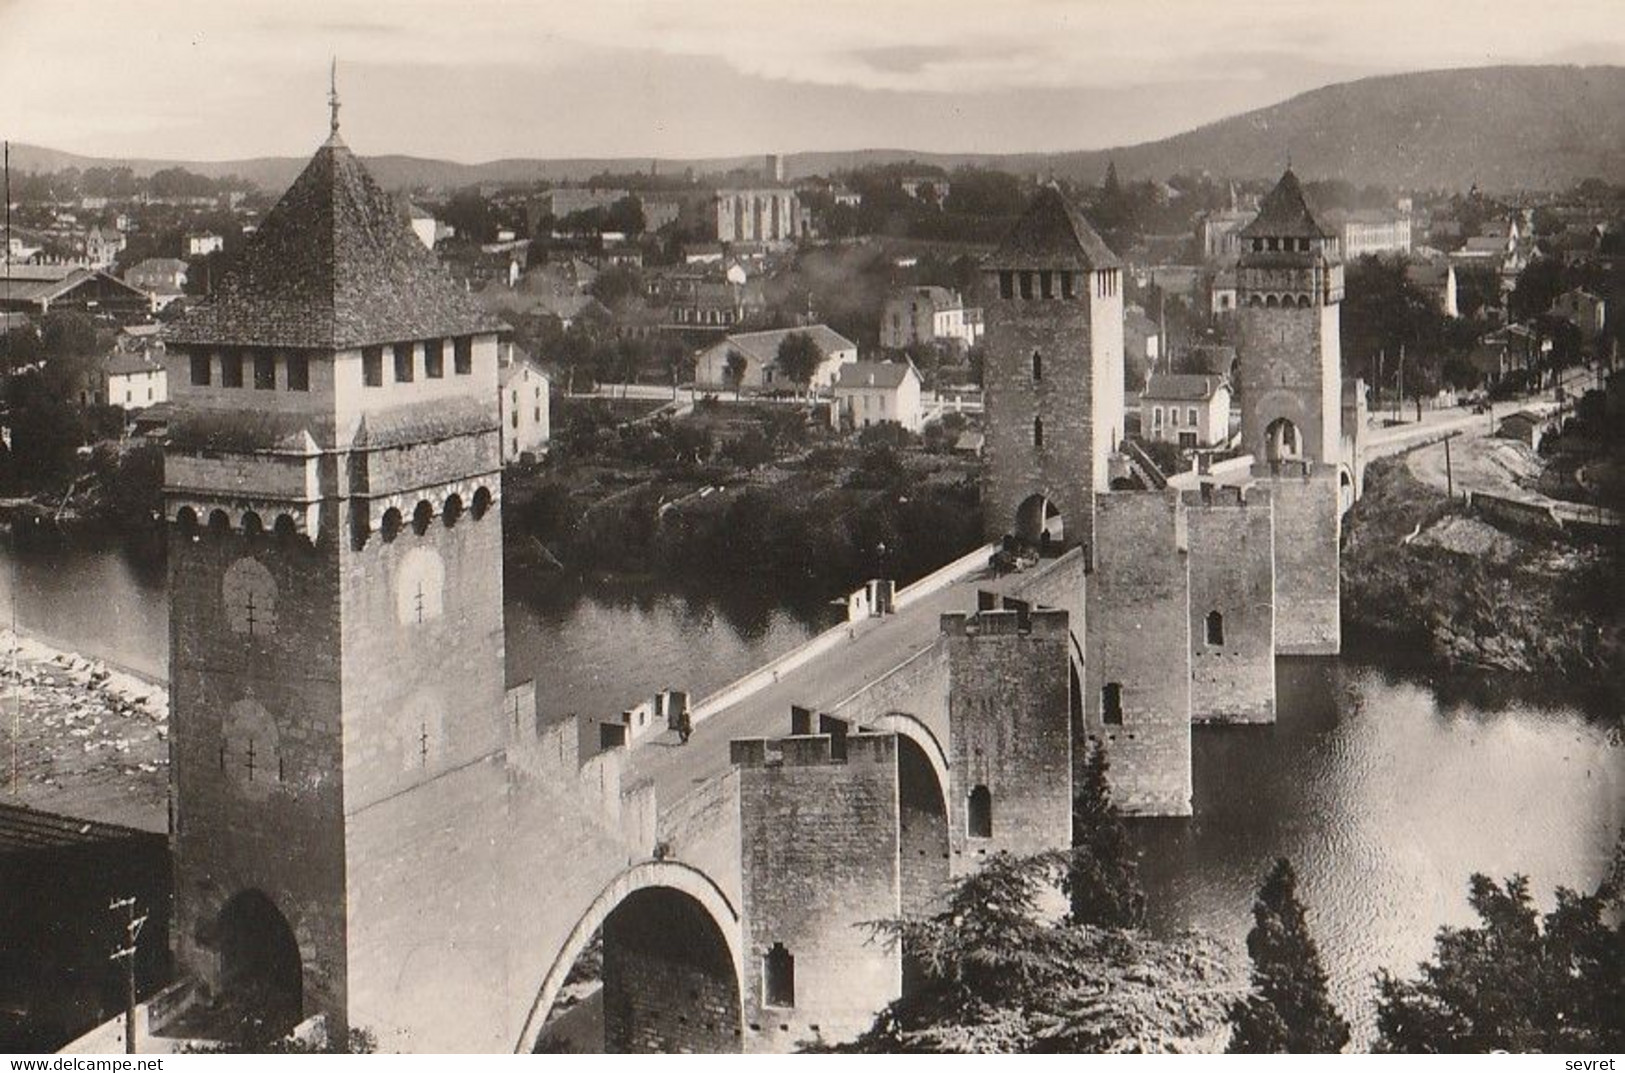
<point x="1504" y="128"/>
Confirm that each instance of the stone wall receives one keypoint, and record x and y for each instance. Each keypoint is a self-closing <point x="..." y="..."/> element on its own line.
<point x="1065" y="469"/>
<point x="668" y="979"/>
<point x="1138" y="640"/>
<point x="256" y="752"/>
<point x="1307" y="539"/>
<point x="1010" y="732"/>
<point x="1231" y="534"/>
<point x="819" y="853"/>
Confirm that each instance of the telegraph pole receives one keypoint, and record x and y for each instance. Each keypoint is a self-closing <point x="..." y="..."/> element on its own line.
<point x="1399" y="387"/>
<point x="126" y="952"/>
<point x="1449" y="481"/>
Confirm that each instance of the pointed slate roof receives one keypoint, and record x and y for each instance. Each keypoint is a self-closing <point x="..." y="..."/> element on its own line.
<point x="1285" y="213"/>
<point x="333" y="265"/>
<point x="1053" y="233"/>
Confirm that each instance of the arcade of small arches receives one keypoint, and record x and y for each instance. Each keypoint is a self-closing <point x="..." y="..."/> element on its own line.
<point x="394" y="519"/>
<point x="193" y="518"/>
<point x="1297" y="300"/>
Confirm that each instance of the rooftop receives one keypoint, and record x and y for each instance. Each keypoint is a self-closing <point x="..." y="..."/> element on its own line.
<point x="882" y="374"/>
<point x="1053" y="233"/>
<point x="1285" y="213"/>
<point x="764" y="346"/>
<point x="1181" y="387"/>
<point x="334" y="265"/>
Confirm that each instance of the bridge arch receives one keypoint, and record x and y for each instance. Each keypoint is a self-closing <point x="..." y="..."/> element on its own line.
<point x="923" y="791"/>
<point x="672" y="883"/>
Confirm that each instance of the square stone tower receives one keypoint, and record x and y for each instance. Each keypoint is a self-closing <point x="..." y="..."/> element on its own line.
<point x="1053" y="375"/>
<point x="1289" y="290"/>
<point x="1289" y="293"/>
<point x="336" y="648"/>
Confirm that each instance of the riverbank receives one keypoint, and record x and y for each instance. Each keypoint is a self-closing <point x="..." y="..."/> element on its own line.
<point x="81" y="738"/>
<point x="1473" y="592"/>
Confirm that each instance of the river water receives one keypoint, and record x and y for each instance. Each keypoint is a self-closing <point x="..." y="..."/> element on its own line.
<point x="1385" y="789"/>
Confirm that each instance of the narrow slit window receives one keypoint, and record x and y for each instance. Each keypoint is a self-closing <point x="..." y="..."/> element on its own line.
<point x="1038" y="432"/>
<point x="372" y="366"/>
<point x="231" y="369"/>
<point x="979" y="813"/>
<point x="298" y="372"/>
<point x="463" y="355"/>
<point x="1111" y="704"/>
<point x="434" y="359"/>
<point x="1215" y="628"/>
<point x="1038" y="366"/>
<point x="403" y="363"/>
<point x="265" y="372"/>
<point x="779" y="977"/>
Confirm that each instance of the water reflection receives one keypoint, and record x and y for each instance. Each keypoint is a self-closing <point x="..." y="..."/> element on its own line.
<point x="1386" y="800"/>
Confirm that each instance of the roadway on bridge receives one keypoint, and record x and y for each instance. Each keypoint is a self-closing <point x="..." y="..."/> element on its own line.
<point x="877" y="645"/>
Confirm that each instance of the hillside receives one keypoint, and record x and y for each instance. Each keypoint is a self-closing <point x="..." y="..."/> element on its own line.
<point x="1504" y="128"/>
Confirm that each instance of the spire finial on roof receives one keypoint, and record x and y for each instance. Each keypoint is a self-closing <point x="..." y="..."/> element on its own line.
<point x="333" y="95"/>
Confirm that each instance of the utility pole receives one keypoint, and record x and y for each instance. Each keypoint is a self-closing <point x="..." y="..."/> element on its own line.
<point x="1399" y="387"/>
<point x="1449" y="481"/>
<point x="1382" y="356"/>
<point x="126" y="952"/>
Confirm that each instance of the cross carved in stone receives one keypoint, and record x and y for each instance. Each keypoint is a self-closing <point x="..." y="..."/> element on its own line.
<point x="250" y="760"/>
<point x="423" y="744"/>
<point x="418" y="601"/>
<point x="251" y="609"/>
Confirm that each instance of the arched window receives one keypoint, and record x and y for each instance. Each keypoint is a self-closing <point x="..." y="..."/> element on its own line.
<point x="1111" y="704"/>
<point x="482" y="502"/>
<point x="390" y="524"/>
<point x="979" y="813"/>
<point x="778" y="977"/>
<point x="1303" y="301"/>
<point x="1038" y="432"/>
<point x="1215" y="628"/>
<point x="1271" y="302"/>
<point x="1038" y="366"/>
<point x="422" y="516"/>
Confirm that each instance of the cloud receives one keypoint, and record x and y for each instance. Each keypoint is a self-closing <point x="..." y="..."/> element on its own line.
<point x="206" y="79"/>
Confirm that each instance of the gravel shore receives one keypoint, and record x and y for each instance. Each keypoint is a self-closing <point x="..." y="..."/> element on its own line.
<point x="80" y="738"/>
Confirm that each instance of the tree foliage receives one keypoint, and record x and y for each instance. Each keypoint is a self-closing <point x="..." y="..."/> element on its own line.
<point x="1517" y="981"/>
<point x="799" y="357"/>
<point x="996" y="976"/>
<point x="1288" y="1011"/>
<point x="1103" y="881"/>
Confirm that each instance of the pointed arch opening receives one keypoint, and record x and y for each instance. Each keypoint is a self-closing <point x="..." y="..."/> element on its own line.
<point x="261" y="971"/>
<point x="1039" y="523"/>
<point x="1282" y="441"/>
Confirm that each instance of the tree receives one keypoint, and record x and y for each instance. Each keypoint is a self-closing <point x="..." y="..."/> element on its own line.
<point x="1288" y="1011"/>
<point x="736" y="366"/>
<point x="1103" y="882"/>
<point x="799" y="358"/>
<point x="994" y="976"/>
<point x="1516" y="982"/>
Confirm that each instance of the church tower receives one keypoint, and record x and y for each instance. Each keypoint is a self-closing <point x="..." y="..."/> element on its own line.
<point x="336" y="628"/>
<point x="1289" y="291"/>
<point x="1052" y="377"/>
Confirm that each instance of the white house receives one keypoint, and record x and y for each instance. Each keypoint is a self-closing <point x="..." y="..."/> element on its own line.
<point x="134" y="381"/>
<point x="523" y="403"/>
<point x="203" y="243"/>
<point x="923" y="315"/>
<point x="1187" y="409"/>
<point x="874" y="392"/>
<point x="760" y="352"/>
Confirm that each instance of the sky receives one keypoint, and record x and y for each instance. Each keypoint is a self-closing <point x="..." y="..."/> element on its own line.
<point x="480" y="80"/>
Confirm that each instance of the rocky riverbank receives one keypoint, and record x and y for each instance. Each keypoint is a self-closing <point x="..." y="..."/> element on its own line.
<point x="88" y="740"/>
<point x="1419" y="565"/>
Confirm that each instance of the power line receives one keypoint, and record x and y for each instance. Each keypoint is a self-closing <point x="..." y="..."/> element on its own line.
<point x="125" y="952"/>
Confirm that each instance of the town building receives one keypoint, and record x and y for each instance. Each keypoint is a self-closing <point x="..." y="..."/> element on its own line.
<point x="877" y="392"/>
<point x="203" y="243"/>
<point x="424" y="225"/>
<point x="38" y="289"/>
<point x="922" y="316"/>
<point x="1436" y="279"/>
<point x="1370" y="232"/>
<point x="163" y="278"/>
<point x="134" y="381"/>
<point x="929" y="188"/>
<point x="760" y="354"/>
<point x="524" y="405"/>
<point x="1186" y="410"/>
<point x="770" y="216"/>
<point x="1142" y="344"/>
<point x="1218" y="235"/>
<point x="1586" y="311"/>
<point x="1510" y="347"/>
<point x="102" y="246"/>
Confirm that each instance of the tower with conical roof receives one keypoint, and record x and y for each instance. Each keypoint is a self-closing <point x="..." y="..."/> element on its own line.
<point x="336" y="632"/>
<point x="1052" y="375"/>
<point x="1289" y="291"/>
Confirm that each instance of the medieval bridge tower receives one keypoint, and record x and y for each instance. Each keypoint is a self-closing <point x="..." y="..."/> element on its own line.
<point x="335" y="576"/>
<point x="1053" y="376"/>
<point x="1290" y="373"/>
